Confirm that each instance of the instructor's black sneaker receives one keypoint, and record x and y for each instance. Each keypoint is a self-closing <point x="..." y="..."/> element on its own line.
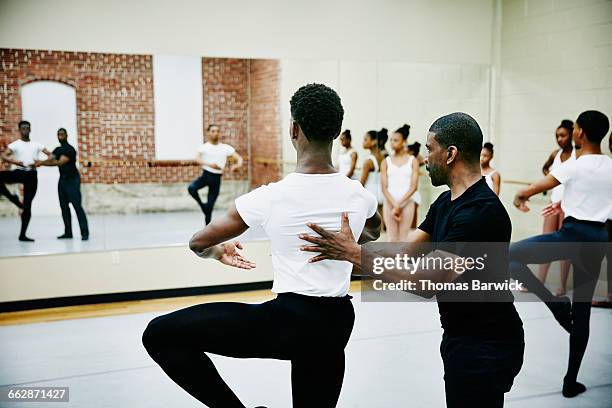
<point x="562" y="310"/>
<point x="65" y="236"/>
<point x="85" y="238"/>
<point x="570" y="390"/>
<point x="23" y="238"/>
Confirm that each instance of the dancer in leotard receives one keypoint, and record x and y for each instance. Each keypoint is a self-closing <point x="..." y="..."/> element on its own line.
<point x="400" y="180"/>
<point x="491" y="175"/>
<point x="347" y="160"/>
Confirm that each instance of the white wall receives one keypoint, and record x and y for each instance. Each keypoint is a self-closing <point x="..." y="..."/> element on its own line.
<point x="383" y="30"/>
<point x="179" y="120"/>
<point x="389" y="94"/>
<point x="556" y="61"/>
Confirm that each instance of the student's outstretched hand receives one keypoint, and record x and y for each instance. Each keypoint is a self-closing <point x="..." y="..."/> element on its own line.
<point x="520" y="202"/>
<point x="552" y="209"/>
<point x="339" y="246"/>
<point x="231" y="257"/>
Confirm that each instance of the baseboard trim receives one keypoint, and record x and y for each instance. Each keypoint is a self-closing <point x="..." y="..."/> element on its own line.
<point x="47" y="303"/>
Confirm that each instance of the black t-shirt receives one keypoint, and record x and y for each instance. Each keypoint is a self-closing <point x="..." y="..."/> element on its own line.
<point x="69" y="169"/>
<point x="476" y="216"/>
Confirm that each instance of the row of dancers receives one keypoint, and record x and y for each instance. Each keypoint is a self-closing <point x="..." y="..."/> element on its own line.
<point x="311" y="319"/>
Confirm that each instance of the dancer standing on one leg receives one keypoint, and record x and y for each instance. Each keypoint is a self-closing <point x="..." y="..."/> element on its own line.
<point x="212" y="156"/>
<point x="69" y="185"/>
<point x="553" y="222"/>
<point x="399" y="176"/>
<point x="23" y="155"/>
<point x="347" y="160"/>
<point x="587" y="204"/>
<point x="311" y="319"/>
<point x="491" y="175"/>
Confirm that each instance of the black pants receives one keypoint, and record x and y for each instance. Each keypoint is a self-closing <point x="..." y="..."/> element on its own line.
<point x="609" y="257"/>
<point x="69" y="192"/>
<point x="213" y="181"/>
<point x="586" y="246"/>
<point x="29" y="179"/>
<point x="477" y="372"/>
<point x="310" y="332"/>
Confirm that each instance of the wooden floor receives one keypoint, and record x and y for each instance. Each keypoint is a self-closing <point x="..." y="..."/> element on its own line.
<point x="131" y="307"/>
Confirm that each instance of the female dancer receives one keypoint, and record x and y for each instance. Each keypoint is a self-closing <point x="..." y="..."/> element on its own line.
<point x="491" y="175"/>
<point x="348" y="156"/>
<point x="553" y="222"/>
<point x="370" y="171"/>
<point x="400" y="180"/>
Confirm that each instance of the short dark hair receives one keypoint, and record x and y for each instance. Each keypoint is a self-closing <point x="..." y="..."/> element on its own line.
<point x="595" y="124"/>
<point x="461" y="130"/>
<point x="62" y="129"/>
<point x="318" y="110"/>
<point x="23" y="122"/>
<point x="212" y="125"/>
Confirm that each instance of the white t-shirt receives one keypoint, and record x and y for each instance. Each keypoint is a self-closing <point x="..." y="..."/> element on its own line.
<point x="25" y="152"/>
<point x="588" y="187"/>
<point x="556" y="193"/>
<point x="215" y="153"/>
<point x="284" y="208"/>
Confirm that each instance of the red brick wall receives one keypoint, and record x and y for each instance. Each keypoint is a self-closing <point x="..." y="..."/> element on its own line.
<point x="226" y="100"/>
<point x="115" y="111"/>
<point x="264" y="122"/>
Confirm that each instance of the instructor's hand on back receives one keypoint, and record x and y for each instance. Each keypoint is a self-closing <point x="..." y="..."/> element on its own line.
<point x="339" y="246"/>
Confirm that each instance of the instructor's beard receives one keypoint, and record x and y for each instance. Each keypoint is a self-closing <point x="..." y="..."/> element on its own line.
<point x="438" y="174"/>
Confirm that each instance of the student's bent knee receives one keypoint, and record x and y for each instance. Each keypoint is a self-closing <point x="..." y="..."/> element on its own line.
<point x="152" y="334"/>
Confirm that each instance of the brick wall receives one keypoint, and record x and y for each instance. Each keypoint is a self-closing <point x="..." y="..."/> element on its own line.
<point x="115" y="110"/>
<point x="264" y="121"/>
<point x="226" y="100"/>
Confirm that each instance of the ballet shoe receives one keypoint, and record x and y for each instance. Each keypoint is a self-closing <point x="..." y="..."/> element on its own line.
<point x="562" y="311"/>
<point x="560" y="292"/>
<point x="570" y="390"/>
<point x="23" y="238"/>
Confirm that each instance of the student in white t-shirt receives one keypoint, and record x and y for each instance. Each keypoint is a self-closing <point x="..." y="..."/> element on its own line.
<point x="587" y="204"/>
<point x="24" y="156"/>
<point x="212" y="156"/>
<point x="310" y="321"/>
